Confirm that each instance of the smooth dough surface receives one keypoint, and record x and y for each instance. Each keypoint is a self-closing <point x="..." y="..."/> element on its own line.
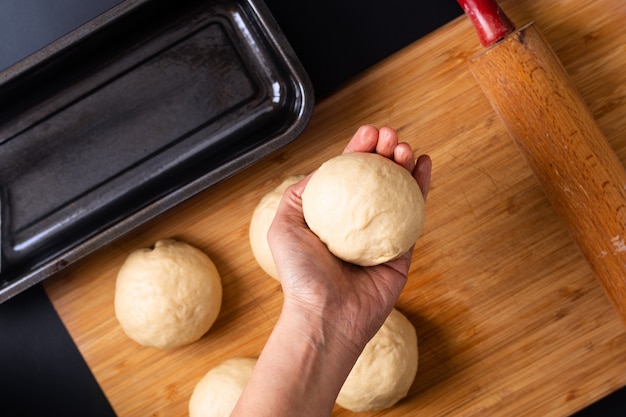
<point x="366" y="208"/>
<point x="167" y="296"/>
<point x="261" y="221"/>
<point x="385" y="370"/>
<point x="217" y="393"/>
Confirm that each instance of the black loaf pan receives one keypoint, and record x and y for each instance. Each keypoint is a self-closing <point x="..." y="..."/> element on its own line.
<point x="132" y="113"/>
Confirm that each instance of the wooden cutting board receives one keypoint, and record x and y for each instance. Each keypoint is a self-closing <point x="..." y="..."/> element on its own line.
<point x="510" y="320"/>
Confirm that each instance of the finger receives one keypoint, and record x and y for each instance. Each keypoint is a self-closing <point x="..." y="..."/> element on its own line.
<point x="387" y="142"/>
<point x="422" y="172"/>
<point x="403" y="156"/>
<point x="364" y="140"/>
<point x="298" y="188"/>
<point x="289" y="210"/>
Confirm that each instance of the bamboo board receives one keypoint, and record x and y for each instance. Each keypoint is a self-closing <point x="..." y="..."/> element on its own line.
<point x="509" y="318"/>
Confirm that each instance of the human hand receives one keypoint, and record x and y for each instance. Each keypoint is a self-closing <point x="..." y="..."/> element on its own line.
<point x="350" y="300"/>
<point x="331" y="308"/>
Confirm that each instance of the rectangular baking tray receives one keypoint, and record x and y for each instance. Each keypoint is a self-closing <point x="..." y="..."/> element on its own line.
<point x="132" y="113"/>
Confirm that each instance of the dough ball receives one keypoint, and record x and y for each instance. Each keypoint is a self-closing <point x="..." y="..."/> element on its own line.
<point x="385" y="370"/>
<point x="167" y="296"/>
<point x="366" y="208"/>
<point x="217" y="393"/>
<point x="262" y="218"/>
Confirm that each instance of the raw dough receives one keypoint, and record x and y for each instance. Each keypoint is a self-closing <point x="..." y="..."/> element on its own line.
<point x="168" y="296"/>
<point x="262" y="218"/>
<point x="217" y="393"/>
<point x="366" y="208"/>
<point x="385" y="369"/>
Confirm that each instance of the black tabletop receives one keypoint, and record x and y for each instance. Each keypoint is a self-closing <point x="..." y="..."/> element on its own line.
<point x="41" y="370"/>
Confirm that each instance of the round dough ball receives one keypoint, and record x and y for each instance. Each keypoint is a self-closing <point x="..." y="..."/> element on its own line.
<point x="366" y="208"/>
<point x="167" y="296"/>
<point x="217" y="393"/>
<point x="385" y="370"/>
<point x="262" y="218"/>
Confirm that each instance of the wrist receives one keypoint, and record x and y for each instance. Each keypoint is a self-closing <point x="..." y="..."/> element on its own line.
<point x="304" y="364"/>
<point x="331" y="332"/>
<point x="327" y="334"/>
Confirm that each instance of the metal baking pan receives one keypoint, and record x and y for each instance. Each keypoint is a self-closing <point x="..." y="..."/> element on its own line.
<point x="132" y="113"/>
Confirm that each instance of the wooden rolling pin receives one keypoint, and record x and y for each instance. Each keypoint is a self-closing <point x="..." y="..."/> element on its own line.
<point x="547" y="118"/>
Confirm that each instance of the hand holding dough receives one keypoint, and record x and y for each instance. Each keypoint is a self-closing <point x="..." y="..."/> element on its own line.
<point x="366" y="208"/>
<point x="168" y="296"/>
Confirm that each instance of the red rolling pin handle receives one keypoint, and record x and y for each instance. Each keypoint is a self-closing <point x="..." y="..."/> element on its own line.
<point x="490" y="22"/>
<point x="580" y="173"/>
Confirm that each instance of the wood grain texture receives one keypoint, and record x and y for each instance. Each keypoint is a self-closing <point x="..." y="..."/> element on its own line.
<point x="509" y="317"/>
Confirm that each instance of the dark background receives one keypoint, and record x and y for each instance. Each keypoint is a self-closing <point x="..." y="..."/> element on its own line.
<point x="41" y="370"/>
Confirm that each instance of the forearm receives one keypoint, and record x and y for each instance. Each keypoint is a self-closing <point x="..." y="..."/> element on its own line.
<point x="300" y="370"/>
